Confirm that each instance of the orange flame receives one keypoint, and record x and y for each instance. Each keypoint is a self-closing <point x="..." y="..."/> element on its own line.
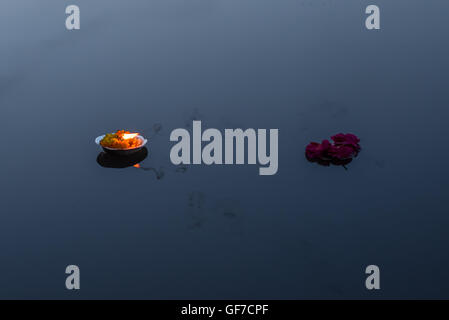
<point x="129" y="135"/>
<point x="136" y="165"/>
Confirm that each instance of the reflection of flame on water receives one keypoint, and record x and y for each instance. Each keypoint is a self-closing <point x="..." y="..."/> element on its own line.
<point x="127" y="136"/>
<point x="159" y="173"/>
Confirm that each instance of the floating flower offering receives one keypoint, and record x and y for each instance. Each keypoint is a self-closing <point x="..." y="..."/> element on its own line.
<point x="343" y="149"/>
<point x="121" y="142"/>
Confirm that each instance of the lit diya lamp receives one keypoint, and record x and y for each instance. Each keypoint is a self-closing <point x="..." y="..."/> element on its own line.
<point x="121" y="143"/>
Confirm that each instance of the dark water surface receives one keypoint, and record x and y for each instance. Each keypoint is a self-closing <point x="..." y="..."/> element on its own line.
<point x="308" y="68"/>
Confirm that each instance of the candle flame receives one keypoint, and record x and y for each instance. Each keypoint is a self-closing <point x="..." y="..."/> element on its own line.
<point x="136" y="165"/>
<point x="129" y="135"/>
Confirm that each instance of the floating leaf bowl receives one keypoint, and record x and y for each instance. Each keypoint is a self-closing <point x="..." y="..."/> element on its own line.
<point x="121" y="152"/>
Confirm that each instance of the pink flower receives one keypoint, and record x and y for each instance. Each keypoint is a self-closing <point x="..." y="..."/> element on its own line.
<point x="315" y="150"/>
<point x="341" y="152"/>
<point x="348" y="139"/>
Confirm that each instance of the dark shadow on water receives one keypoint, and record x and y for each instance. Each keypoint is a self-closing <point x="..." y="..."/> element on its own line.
<point x="327" y="163"/>
<point x="112" y="161"/>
